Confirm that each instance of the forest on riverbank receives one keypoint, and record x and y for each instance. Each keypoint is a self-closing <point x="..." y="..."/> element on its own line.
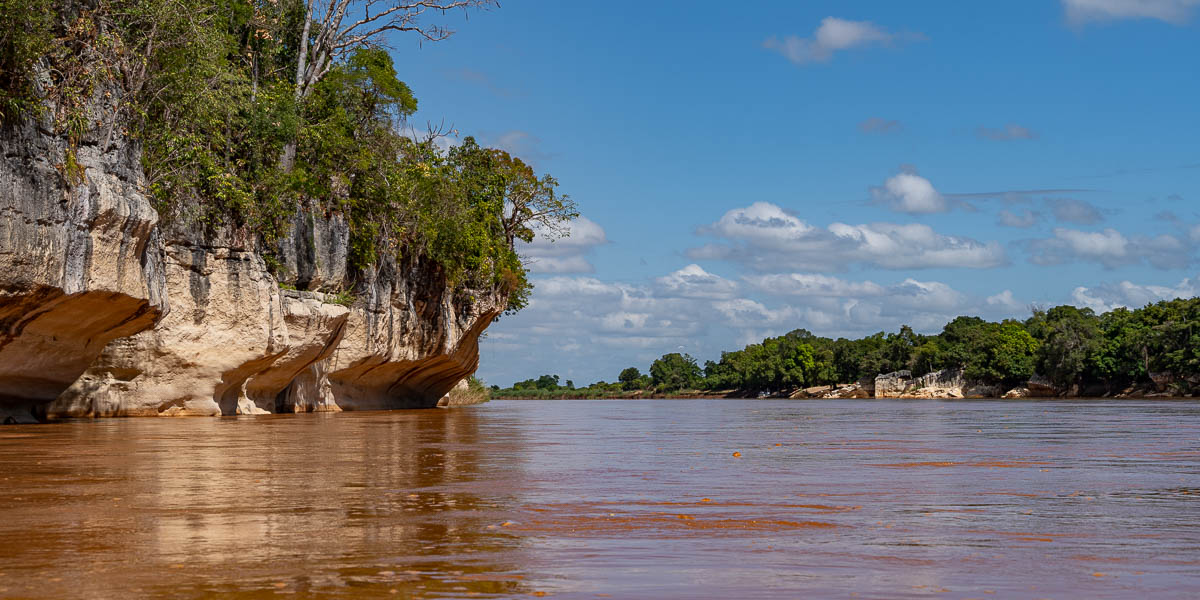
<point x="1075" y="350"/>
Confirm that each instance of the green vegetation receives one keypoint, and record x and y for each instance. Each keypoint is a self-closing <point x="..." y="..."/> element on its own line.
<point x="1077" y="350"/>
<point x="476" y="393"/>
<point x="248" y="109"/>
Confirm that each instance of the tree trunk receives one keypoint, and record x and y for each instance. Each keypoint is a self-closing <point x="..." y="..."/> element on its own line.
<point x="287" y="158"/>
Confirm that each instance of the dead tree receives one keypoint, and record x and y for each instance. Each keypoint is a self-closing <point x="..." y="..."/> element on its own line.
<point x="334" y="28"/>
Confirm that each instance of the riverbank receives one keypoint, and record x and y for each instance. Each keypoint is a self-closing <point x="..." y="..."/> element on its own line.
<point x="946" y="384"/>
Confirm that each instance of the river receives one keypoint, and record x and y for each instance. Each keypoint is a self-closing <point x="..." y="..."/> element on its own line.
<point x="621" y="499"/>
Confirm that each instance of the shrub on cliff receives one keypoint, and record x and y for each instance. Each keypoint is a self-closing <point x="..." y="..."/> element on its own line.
<point x="247" y="109"/>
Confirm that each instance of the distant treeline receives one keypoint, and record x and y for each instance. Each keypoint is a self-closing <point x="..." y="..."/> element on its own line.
<point x="1072" y="347"/>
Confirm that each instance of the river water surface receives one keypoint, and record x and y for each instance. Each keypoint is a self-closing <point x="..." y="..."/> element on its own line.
<point x="622" y="499"/>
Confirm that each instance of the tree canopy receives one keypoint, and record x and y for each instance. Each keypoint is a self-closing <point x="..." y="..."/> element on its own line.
<point x="1073" y="347"/>
<point x="217" y="91"/>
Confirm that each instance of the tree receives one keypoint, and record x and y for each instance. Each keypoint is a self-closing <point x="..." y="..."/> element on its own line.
<point x="532" y="204"/>
<point x="675" y="371"/>
<point x="629" y="377"/>
<point x="327" y="36"/>
<point x="1003" y="353"/>
<point x="1070" y="340"/>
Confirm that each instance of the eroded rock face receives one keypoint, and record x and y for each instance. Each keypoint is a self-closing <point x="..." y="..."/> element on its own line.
<point x="108" y="309"/>
<point x="80" y="260"/>
<point x="235" y="343"/>
<point x="232" y="340"/>
<point x="892" y="385"/>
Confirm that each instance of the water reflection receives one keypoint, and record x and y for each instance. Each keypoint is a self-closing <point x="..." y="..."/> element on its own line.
<point x="626" y="499"/>
<point x="323" y="504"/>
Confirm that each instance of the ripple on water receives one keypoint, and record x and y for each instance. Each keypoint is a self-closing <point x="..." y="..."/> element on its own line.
<point x="621" y="499"/>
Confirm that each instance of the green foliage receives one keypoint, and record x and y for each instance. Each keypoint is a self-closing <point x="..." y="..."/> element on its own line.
<point x="26" y="35"/>
<point x="208" y="89"/>
<point x="1001" y="353"/>
<point x="1071" y="346"/>
<point x="675" y="372"/>
<point x="1070" y="338"/>
<point x="631" y="378"/>
<point x="344" y="298"/>
<point x="477" y="386"/>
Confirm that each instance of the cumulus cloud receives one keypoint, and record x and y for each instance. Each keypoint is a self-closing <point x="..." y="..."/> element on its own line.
<point x="594" y="328"/>
<point x="1005" y="301"/>
<point x="813" y="284"/>
<point x="1026" y="218"/>
<point x="766" y="238"/>
<point x="833" y="35"/>
<point x="1007" y="133"/>
<point x="693" y="281"/>
<point x="1068" y="210"/>
<point x="908" y="192"/>
<point x="880" y="126"/>
<point x="926" y="296"/>
<point x="548" y="254"/>
<point x="1107" y="296"/>
<point x="1080" y="12"/>
<point x="1110" y="248"/>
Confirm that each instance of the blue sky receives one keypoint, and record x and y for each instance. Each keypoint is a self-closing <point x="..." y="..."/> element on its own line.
<point x="745" y="169"/>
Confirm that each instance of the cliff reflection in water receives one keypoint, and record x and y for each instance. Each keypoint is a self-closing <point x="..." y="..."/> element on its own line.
<point x="363" y="502"/>
<point x="623" y="499"/>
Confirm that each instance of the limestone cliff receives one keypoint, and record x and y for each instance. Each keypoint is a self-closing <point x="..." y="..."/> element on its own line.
<point x="105" y="311"/>
<point x="947" y="384"/>
<point x="81" y="262"/>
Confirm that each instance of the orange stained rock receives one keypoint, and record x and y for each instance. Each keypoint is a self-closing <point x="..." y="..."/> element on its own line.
<point x="737" y="454"/>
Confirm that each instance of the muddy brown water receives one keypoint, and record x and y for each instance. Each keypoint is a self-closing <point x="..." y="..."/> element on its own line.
<point x="622" y="499"/>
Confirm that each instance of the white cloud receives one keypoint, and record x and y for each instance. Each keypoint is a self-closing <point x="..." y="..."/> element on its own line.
<point x="1009" y="132"/>
<point x="766" y="238"/>
<point x="614" y="325"/>
<point x="1110" y="248"/>
<point x="1080" y="12"/>
<point x="1026" y="218"/>
<point x="812" y="284"/>
<point x="835" y="34"/>
<point x="559" y="264"/>
<point x="744" y="312"/>
<point x="1005" y="301"/>
<point x="1107" y="296"/>
<point x="910" y="193"/>
<point x="549" y="254"/>
<point x="693" y="281"/>
<point x="925" y="296"/>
